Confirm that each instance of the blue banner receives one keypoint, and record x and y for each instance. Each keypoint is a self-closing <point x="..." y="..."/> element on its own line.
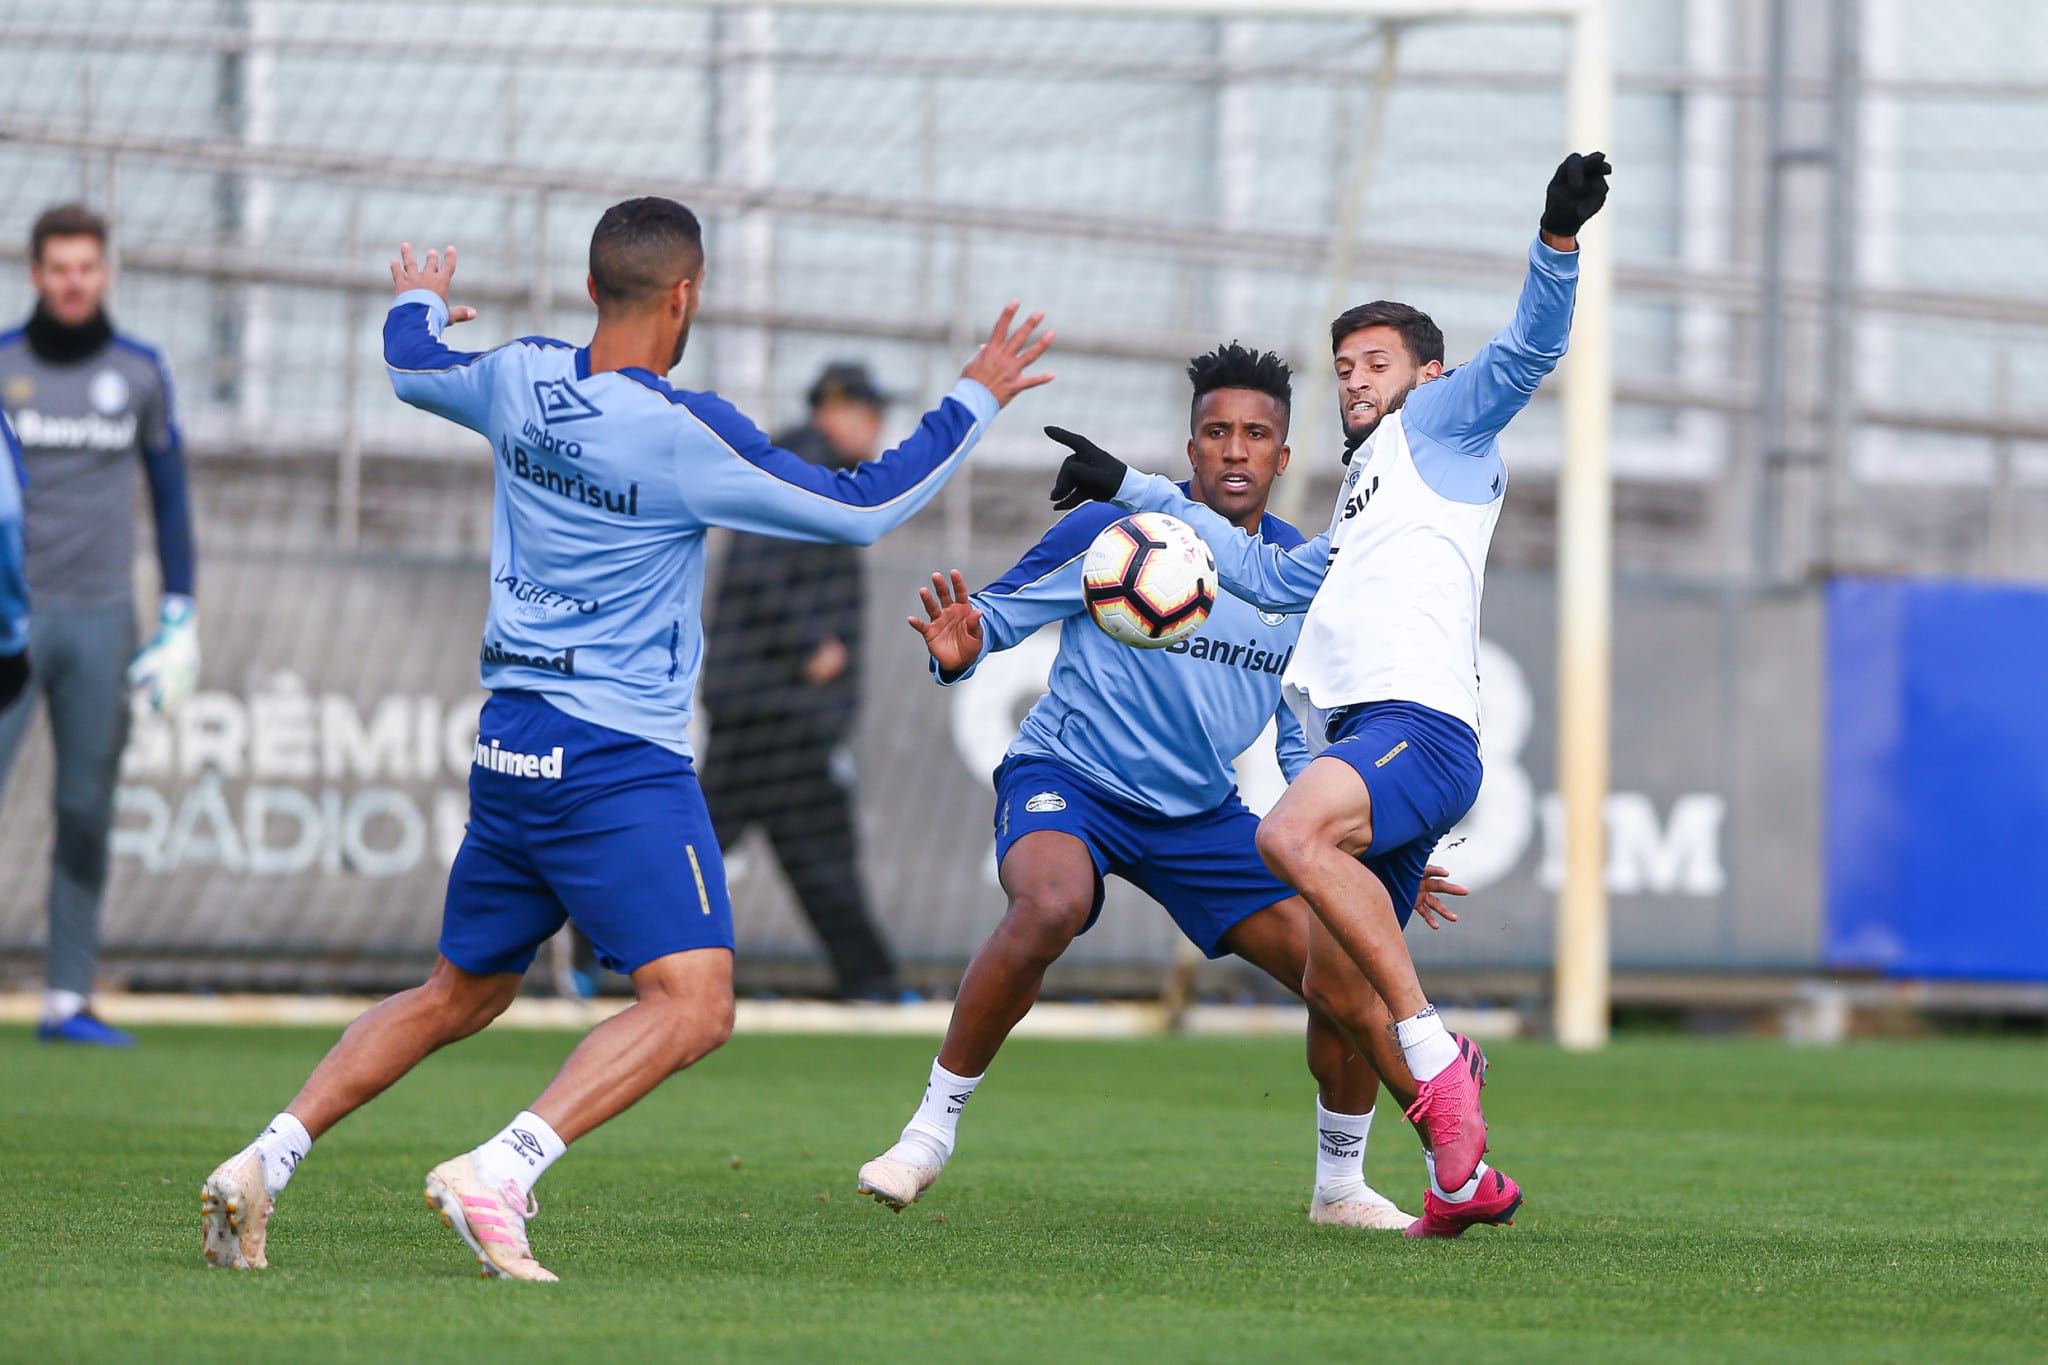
<point x="1937" y="779"/>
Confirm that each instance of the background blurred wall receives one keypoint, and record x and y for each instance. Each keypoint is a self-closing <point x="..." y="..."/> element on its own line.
<point x="297" y="820"/>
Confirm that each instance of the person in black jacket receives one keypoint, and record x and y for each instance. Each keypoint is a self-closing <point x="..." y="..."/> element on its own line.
<point x="783" y="691"/>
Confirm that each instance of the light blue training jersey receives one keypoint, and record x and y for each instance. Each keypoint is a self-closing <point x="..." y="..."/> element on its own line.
<point x="604" y="487"/>
<point x="1156" y="728"/>
<point x="13" y="557"/>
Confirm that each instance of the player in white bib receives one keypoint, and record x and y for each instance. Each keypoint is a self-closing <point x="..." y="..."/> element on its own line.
<point x="1386" y="676"/>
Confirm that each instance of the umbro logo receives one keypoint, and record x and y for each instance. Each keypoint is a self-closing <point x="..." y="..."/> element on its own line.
<point x="526" y="1144"/>
<point x="1337" y="1139"/>
<point x="559" y="402"/>
<point x="1336" y="1143"/>
<point x="961" y="1099"/>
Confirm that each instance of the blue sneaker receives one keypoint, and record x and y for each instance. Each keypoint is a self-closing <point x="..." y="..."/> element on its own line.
<point x="85" y="1028"/>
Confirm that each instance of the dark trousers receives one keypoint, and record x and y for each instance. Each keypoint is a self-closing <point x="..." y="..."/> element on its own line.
<point x="80" y="656"/>
<point x="768" y="772"/>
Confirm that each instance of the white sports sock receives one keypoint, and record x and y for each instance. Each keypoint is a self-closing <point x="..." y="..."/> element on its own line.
<point x="1429" y="1048"/>
<point x="929" y="1136"/>
<point x="283" y="1145"/>
<point x="1340" y="1154"/>
<point x="61" y="1005"/>
<point x="521" y="1153"/>
<point x="1460" y="1195"/>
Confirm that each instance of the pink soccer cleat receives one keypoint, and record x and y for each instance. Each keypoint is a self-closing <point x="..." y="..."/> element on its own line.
<point x="1495" y="1202"/>
<point x="491" y="1222"/>
<point x="1446" y="1109"/>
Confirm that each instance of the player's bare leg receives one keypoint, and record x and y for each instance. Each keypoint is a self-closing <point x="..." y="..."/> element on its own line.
<point x="382" y="1045"/>
<point x="1277" y="941"/>
<point x="395" y="1035"/>
<point x="1051" y="881"/>
<point x="682" y="1012"/>
<point x="1335" y="984"/>
<point x="1312" y="840"/>
<point x="1332" y="985"/>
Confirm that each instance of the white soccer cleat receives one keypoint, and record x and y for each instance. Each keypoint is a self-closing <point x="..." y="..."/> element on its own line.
<point x="1374" y="1210"/>
<point x="895" y="1182"/>
<point x="237" y="1213"/>
<point x="491" y="1222"/>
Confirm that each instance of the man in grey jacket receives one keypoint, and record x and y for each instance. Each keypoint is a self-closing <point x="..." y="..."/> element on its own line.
<point x="785" y="640"/>
<point x="88" y="405"/>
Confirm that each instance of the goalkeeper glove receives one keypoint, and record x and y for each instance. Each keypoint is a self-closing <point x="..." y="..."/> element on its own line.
<point x="166" y="672"/>
<point x="1576" y="193"/>
<point x="1090" y="474"/>
<point x="13" y="677"/>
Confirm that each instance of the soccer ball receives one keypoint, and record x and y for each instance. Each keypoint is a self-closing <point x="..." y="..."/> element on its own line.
<point x="1149" y="581"/>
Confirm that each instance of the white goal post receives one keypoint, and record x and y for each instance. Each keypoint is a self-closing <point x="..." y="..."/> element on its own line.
<point x="1585" y="485"/>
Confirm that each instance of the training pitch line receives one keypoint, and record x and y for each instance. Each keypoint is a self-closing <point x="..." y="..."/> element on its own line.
<point x="1049" y="1019"/>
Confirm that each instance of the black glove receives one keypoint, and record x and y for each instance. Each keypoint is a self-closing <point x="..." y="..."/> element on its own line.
<point x="1090" y="474"/>
<point x="13" y="676"/>
<point x="1576" y="193"/>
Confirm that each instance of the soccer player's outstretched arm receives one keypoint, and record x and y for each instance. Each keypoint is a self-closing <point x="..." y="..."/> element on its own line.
<point x="1262" y="573"/>
<point x="1467" y="408"/>
<point x="749" y="484"/>
<point x="163" y="466"/>
<point x="1042" y="587"/>
<point x="424" y="372"/>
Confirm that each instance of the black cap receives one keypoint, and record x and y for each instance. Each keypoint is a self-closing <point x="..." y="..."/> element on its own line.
<point x="846" y="381"/>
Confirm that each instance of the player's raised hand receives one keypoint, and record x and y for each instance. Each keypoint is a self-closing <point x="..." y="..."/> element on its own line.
<point x="953" y="635"/>
<point x="1436" y="881"/>
<point x="439" y="270"/>
<point x="1576" y="192"/>
<point x="1090" y="474"/>
<point x="1002" y="360"/>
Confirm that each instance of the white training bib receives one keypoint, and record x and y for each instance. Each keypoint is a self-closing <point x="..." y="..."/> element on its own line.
<point x="1397" y="618"/>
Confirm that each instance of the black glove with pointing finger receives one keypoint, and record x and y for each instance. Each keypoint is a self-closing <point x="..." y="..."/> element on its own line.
<point x="1090" y="474"/>
<point x="1576" y="193"/>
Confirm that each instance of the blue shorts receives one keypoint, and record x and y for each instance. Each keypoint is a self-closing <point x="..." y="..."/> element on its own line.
<point x="1205" y="869"/>
<point x="1421" y="768"/>
<point x="569" y="820"/>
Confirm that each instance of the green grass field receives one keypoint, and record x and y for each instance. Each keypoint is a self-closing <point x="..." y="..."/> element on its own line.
<point x="1112" y="1201"/>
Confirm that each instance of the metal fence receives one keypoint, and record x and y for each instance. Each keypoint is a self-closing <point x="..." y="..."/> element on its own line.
<point x="1832" y="304"/>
